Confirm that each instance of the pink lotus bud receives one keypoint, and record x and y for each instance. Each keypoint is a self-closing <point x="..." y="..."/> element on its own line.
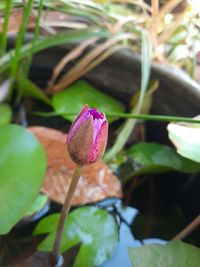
<point x="87" y="137"/>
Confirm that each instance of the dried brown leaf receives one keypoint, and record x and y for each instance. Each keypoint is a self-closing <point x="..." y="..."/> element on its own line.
<point x="96" y="183"/>
<point x="15" y="21"/>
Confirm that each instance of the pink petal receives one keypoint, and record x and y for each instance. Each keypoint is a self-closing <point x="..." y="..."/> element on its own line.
<point x="80" y="119"/>
<point x="99" y="144"/>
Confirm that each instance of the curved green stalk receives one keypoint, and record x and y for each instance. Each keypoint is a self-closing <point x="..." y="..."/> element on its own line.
<point x="121" y="115"/>
<point x="130" y="123"/>
<point x="19" y="42"/>
<point x="27" y="66"/>
<point x="5" y="27"/>
<point x="50" y="41"/>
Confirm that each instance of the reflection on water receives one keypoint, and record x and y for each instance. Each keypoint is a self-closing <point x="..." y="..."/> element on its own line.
<point x="125" y="217"/>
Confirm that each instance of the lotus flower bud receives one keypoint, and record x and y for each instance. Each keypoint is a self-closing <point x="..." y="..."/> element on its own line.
<point x="87" y="137"/>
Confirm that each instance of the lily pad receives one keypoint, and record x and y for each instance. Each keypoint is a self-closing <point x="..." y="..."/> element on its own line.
<point x="94" y="228"/>
<point x="72" y="99"/>
<point x="173" y="254"/>
<point x="186" y="139"/>
<point x="37" y="205"/>
<point x="37" y="210"/>
<point x="158" y="158"/>
<point x="22" y="168"/>
<point x="5" y="114"/>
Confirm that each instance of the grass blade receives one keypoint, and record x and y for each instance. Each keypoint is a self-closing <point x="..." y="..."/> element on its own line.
<point x="19" y="42"/>
<point x="145" y="66"/>
<point x="5" y="27"/>
<point x="130" y="123"/>
<point x="36" y="32"/>
<point x="50" y="41"/>
<point x="20" y="38"/>
<point x="27" y="66"/>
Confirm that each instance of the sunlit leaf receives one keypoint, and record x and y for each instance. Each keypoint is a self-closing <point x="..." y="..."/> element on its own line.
<point x="186" y="138"/>
<point x="80" y="93"/>
<point x="22" y="168"/>
<point x="157" y="158"/>
<point x="5" y="114"/>
<point x="173" y="254"/>
<point x="38" y="204"/>
<point x="93" y="227"/>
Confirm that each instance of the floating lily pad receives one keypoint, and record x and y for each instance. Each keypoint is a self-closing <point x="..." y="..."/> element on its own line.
<point x="72" y="99"/>
<point x="38" y="209"/>
<point x="186" y="139"/>
<point x="94" y="228"/>
<point x="22" y="169"/>
<point x="157" y="158"/>
<point x="37" y="205"/>
<point x="173" y="254"/>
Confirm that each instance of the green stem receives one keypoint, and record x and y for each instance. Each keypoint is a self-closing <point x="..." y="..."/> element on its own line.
<point x="19" y="43"/>
<point x="20" y="37"/>
<point x="27" y="66"/>
<point x="145" y="117"/>
<point x="65" y="209"/>
<point x="5" y="27"/>
<point x="130" y="123"/>
<point x="151" y="117"/>
<point x="35" y="35"/>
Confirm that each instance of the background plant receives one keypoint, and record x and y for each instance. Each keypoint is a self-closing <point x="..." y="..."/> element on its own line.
<point x="96" y="29"/>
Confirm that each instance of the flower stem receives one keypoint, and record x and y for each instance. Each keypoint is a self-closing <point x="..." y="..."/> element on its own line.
<point x="121" y="115"/>
<point x="65" y="209"/>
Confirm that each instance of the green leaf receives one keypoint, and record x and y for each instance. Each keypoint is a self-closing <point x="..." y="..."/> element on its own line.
<point x="157" y="158"/>
<point x="22" y="168"/>
<point x="38" y="204"/>
<point x="186" y="138"/>
<point x="93" y="227"/>
<point x="146" y="52"/>
<point x="173" y="254"/>
<point x="5" y="114"/>
<point x="72" y="99"/>
<point x="30" y="89"/>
